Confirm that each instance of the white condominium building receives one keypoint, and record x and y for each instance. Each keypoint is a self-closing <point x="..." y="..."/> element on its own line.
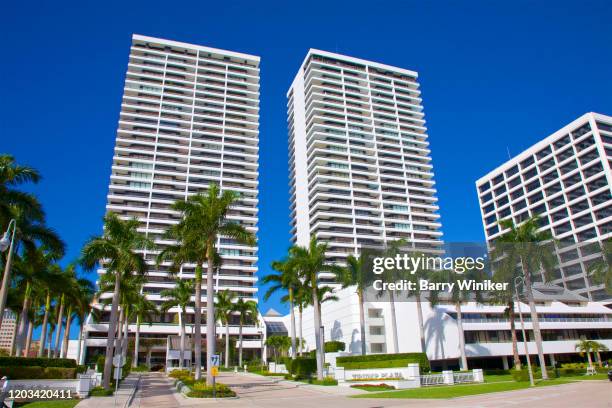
<point x="359" y="162"/>
<point x="189" y="118"/>
<point x="566" y="180"/>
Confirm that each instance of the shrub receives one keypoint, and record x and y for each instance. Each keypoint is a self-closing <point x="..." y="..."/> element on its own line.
<point x="497" y="371"/>
<point x="81" y="369"/>
<point x="100" y="364"/>
<point x="384" y="361"/>
<point x="179" y="373"/>
<point x="100" y="391"/>
<point x="201" y="390"/>
<point x="325" y="381"/>
<point x="522" y="375"/>
<point x="301" y="367"/>
<point x="141" y="368"/>
<point x="37" y="362"/>
<point x="38" y="373"/>
<point x="334" y="346"/>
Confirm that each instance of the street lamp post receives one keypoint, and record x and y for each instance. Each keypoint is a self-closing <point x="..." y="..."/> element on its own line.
<point x="5" y="243"/>
<point x="517" y="280"/>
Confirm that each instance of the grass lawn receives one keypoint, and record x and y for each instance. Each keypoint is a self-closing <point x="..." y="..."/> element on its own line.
<point x="453" y="391"/>
<point x="498" y="378"/>
<point x="52" y="404"/>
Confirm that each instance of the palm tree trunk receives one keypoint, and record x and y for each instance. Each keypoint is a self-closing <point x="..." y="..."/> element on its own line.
<point x="28" y="343"/>
<point x="210" y="315"/>
<point x="67" y="332"/>
<point x="362" y="321"/>
<point x="126" y="333"/>
<point x="50" y="341"/>
<point x="15" y="336"/>
<point x="79" y="344"/>
<point x="293" y="343"/>
<point x="182" y="356"/>
<point x="588" y="353"/>
<point x="119" y="340"/>
<point x="515" y="354"/>
<point x="599" y="362"/>
<point x="136" y="342"/>
<point x="535" y="322"/>
<point x="394" y="323"/>
<point x="43" y="333"/>
<point x="58" y="327"/>
<point x="227" y="345"/>
<point x="23" y="321"/>
<point x="240" y="344"/>
<point x="301" y="332"/>
<point x="317" y="324"/>
<point x="110" y="340"/>
<point x="198" y="322"/>
<point x="464" y="363"/>
<point x="421" y="325"/>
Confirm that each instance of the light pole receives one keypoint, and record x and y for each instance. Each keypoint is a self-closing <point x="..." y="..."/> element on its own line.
<point x="5" y="243"/>
<point x="517" y="280"/>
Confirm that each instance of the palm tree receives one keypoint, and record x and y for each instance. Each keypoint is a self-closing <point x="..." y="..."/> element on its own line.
<point x="80" y="290"/>
<point x="179" y="296"/>
<point x="117" y="249"/>
<point x="246" y="310"/>
<point x="310" y="262"/>
<point x="53" y="283"/>
<point x="12" y="175"/>
<point x="586" y="347"/>
<point x="597" y="348"/>
<point x="225" y="307"/>
<point x="505" y="271"/>
<point x="524" y="243"/>
<point x="602" y="269"/>
<point x="457" y="296"/>
<point x="355" y="275"/>
<point x="204" y="220"/>
<point x="302" y="299"/>
<point x="285" y="277"/>
<point x="144" y="310"/>
<point x="83" y="308"/>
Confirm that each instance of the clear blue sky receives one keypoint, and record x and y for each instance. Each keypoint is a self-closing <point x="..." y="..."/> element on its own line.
<point x="495" y="76"/>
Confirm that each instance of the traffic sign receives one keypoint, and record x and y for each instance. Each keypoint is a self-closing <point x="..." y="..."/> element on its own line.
<point x="214" y="371"/>
<point x="215" y="360"/>
<point x="117" y="373"/>
<point x="118" y="360"/>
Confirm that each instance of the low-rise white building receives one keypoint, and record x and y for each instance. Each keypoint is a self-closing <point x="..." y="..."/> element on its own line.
<point x="565" y="318"/>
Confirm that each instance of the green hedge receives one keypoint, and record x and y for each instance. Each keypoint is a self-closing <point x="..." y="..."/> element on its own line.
<point x="100" y="391"/>
<point x="334" y="346"/>
<point x="127" y="368"/>
<point x="301" y="367"/>
<point x="201" y="390"/>
<point x="384" y="361"/>
<point x="38" y="373"/>
<point x="497" y="371"/>
<point x="37" y="362"/>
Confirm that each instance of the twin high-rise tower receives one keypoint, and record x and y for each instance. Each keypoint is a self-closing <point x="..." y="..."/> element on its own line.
<point x="359" y="161"/>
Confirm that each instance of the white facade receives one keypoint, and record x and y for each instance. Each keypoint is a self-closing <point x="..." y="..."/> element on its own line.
<point x="564" y="319"/>
<point x="566" y="179"/>
<point x="189" y="117"/>
<point x="359" y="161"/>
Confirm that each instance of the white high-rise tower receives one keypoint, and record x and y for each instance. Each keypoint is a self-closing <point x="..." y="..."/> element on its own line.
<point x="189" y="118"/>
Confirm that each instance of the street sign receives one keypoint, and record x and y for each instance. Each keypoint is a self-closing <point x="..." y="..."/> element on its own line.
<point x="214" y="371"/>
<point x="117" y="373"/>
<point x="118" y="360"/>
<point x="215" y="360"/>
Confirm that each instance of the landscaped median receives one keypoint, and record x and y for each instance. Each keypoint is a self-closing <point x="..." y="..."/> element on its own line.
<point x="187" y="385"/>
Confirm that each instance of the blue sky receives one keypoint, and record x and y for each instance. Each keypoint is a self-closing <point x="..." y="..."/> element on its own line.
<point x="495" y="76"/>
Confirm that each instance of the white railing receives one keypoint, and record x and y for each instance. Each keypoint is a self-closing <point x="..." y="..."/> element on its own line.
<point x="466" y="377"/>
<point x="432" y="379"/>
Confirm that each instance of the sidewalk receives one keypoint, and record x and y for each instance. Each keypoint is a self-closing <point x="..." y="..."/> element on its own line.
<point x="120" y="399"/>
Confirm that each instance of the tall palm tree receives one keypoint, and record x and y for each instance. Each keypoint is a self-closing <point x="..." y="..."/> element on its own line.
<point x="143" y="310"/>
<point x="80" y="290"/>
<point x="505" y="271"/>
<point x="118" y="250"/>
<point x="355" y="275"/>
<point x="597" y="348"/>
<point x="285" y="277"/>
<point x="204" y="220"/>
<point x="310" y="261"/>
<point x="602" y="269"/>
<point x="225" y="307"/>
<point x="53" y="281"/>
<point x="13" y="175"/>
<point x="83" y="309"/>
<point x="525" y="244"/>
<point x="247" y="310"/>
<point x="179" y="296"/>
<point x="457" y="296"/>
<point x="302" y="299"/>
